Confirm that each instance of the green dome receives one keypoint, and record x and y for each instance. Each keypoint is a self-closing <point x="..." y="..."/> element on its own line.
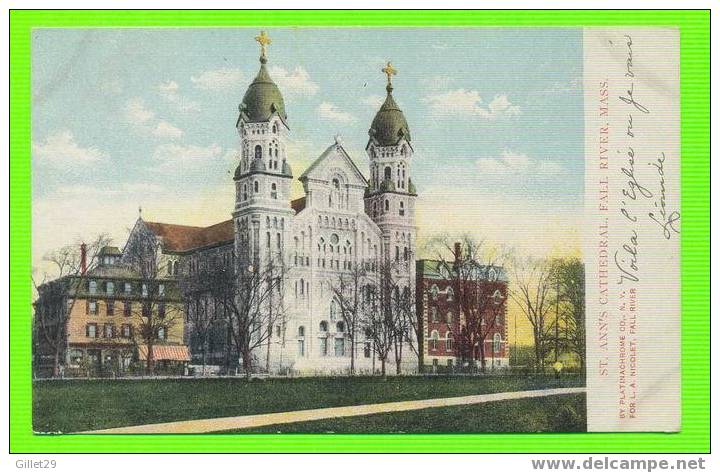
<point x="262" y="99"/>
<point x="389" y="125"/>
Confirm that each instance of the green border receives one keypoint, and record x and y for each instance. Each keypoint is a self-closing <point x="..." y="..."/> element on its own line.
<point x="695" y="98"/>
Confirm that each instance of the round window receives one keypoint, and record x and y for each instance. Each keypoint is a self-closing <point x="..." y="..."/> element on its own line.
<point x="334" y="239"/>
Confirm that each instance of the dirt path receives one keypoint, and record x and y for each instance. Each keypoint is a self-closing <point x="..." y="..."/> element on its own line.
<point x="259" y="420"/>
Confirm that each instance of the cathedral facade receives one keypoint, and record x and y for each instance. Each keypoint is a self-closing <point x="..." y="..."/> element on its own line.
<point x="344" y="223"/>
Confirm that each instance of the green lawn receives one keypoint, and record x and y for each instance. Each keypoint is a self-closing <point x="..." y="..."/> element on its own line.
<point x="564" y="413"/>
<point x="76" y="405"/>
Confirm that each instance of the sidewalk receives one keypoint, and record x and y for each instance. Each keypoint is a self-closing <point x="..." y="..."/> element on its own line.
<point x="259" y="420"/>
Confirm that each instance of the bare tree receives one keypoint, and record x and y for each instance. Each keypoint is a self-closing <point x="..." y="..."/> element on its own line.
<point x="570" y="274"/>
<point x="57" y="297"/>
<point x="202" y="309"/>
<point x="533" y="294"/>
<point x="252" y="300"/>
<point x="479" y="296"/>
<point x="347" y="291"/>
<point x="408" y="325"/>
<point x="156" y="316"/>
<point x="381" y="314"/>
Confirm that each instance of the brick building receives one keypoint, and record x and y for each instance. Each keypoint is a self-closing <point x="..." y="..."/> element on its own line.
<point x="446" y="342"/>
<point x="91" y="321"/>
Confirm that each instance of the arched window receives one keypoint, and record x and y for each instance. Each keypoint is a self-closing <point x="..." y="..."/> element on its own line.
<point x="302" y="286"/>
<point x="323" y="326"/>
<point x="402" y="208"/>
<point x="340" y="327"/>
<point x="448" y="341"/>
<point x="256" y="186"/>
<point x="449" y="318"/>
<point x="387" y="205"/>
<point x="258" y="152"/>
<point x="301" y="331"/>
<point x="244" y="195"/>
<point x="497" y="342"/>
<point x="434" y="292"/>
<point x="450" y="294"/>
<point x="434" y="337"/>
<point x="497" y="297"/>
<point x="273" y="190"/>
<point x="274" y="128"/>
<point x="388" y="173"/>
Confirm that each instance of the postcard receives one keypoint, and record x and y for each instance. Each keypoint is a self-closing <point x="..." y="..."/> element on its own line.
<point x="363" y="231"/>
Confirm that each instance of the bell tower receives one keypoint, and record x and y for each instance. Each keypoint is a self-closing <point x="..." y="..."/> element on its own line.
<point x="263" y="176"/>
<point x="390" y="196"/>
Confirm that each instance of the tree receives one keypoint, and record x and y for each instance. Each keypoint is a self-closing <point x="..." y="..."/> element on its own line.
<point x="202" y="309"/>
<point x="409" y="326"/>
<point x="533" y="294"/>
<point x="347" y="292"/>
<point x="251" y="297"/>
<point x="570" y="275"/>
<point x="155" y="318"/>
<point x="377" y="321"/>
<point x="56" y="298"/>
<point x="479" y="296"/>
<point x="387" y="309"/>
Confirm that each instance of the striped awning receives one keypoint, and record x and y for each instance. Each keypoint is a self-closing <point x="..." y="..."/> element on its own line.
<point x="165" y="352"/>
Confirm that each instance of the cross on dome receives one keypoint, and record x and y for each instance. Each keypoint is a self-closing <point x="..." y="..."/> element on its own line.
<point x="264" y="41"/>
<point x="389" y="71"/>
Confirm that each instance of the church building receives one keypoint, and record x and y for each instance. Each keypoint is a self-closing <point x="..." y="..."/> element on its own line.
<point x="345" y="221"/>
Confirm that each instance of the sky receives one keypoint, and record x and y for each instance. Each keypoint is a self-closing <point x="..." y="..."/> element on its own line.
<point x="129" y="118"/>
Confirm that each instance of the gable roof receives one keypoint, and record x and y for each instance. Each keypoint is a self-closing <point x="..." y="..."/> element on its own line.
<point x="328" y="152"/>
<point x="181" y="238"/>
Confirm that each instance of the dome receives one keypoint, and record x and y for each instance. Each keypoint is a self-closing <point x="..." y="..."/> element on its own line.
<point x="262" y="99"/>
<point x="389" y="125"/>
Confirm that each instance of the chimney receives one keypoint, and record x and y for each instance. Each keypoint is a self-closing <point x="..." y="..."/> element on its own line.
<point x="458" y="252"/>
<point x="83" y="259"/>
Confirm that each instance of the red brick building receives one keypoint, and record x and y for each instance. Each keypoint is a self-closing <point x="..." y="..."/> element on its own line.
<point x="444" y="289"/>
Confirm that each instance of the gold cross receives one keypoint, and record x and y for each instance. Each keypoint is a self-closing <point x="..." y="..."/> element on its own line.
<point x="389" y="71"/>
<point x="264" y="40"/>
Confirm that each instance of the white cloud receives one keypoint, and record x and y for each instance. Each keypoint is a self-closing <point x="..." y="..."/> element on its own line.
<point x="331" y="112"/>
<point x="144" y="121"/>
<point x="296" y="82"/>
<point x="511" y="163"/>
<point x="170" y="91"/>
<point x="167" y="130"/>
<point x="469" y="103"/>
<point x="373" y="101"/>
<point x="137" y="113"/>
<point x="61" y="148"/>
<point x="219" y="79"/>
